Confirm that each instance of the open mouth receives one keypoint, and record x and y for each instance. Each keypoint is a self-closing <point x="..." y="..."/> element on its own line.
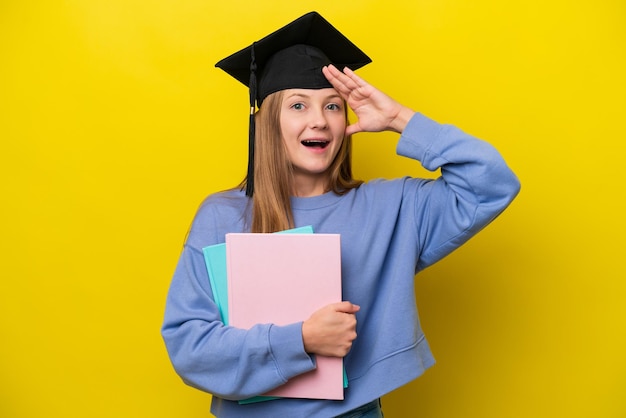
<point x="315" y="143"/>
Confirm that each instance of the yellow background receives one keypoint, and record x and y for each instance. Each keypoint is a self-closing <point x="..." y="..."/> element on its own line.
<point x="114" y="125"/>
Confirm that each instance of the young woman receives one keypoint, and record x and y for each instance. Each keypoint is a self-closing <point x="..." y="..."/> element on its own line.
<point x="390" y="230"/>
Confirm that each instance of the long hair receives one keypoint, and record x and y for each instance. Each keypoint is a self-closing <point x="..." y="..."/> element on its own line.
<point x="273" y="173"/>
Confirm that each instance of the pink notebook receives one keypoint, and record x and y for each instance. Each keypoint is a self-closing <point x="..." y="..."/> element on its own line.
<point x="282" y="279"/>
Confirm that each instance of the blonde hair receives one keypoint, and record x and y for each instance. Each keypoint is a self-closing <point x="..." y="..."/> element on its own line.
<point x="273" y="176"/>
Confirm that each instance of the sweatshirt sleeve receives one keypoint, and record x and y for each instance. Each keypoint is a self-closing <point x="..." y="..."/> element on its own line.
<point x="475" y="186"/>
<point x="228" y="362"/>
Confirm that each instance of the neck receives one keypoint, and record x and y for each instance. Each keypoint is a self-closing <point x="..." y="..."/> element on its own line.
<point x="308" y="187"/>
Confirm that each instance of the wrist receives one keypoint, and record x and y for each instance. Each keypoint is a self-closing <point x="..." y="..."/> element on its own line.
<point x="401" y="120"/>
<point x="306" y="338"/>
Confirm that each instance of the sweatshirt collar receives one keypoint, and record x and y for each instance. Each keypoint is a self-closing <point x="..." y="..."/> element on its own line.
<point x="314" y="202"/>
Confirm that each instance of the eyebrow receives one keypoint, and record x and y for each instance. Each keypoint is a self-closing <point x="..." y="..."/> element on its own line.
<point x="306" y="96"/>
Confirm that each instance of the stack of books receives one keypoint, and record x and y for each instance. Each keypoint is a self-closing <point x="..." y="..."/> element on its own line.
<point x="281" y="279"/>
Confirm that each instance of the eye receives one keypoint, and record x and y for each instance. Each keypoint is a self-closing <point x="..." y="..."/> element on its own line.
<point x="297" y="106"/>
<point x="333" y="106"/>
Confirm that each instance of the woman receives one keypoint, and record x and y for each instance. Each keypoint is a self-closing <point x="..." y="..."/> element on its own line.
<point x="390" y="230"/>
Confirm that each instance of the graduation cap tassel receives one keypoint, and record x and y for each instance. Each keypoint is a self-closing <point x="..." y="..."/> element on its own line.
<point x="251" y="129"/>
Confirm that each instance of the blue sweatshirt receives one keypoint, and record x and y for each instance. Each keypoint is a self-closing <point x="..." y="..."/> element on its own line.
<point x="390" y="230"/>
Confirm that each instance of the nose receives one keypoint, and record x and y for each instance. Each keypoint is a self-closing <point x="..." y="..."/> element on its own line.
<point x="318" y="119"/>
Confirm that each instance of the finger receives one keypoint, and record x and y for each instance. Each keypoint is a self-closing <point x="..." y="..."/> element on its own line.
<point x="347" y="78"/>
<point x="353" y="129"/>
<point x="354" y="78"/>
<point x="333" y="74"/>
<point x="346" y="307"/>
<point x="337" y="79"/>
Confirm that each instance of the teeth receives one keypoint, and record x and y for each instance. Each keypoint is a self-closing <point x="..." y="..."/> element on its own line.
<point x="315" y="143"/>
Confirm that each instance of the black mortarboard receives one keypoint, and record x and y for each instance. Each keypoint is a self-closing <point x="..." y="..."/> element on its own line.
<point x="291" y="57"/>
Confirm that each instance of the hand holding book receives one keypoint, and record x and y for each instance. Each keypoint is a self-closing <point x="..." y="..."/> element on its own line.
<point x="331" y="330"/>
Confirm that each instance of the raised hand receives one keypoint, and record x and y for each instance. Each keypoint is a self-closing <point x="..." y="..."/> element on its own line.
<point x="375" y="110"/>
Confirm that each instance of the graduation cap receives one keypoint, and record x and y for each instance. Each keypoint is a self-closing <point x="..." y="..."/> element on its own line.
<point x="291" y="57"/>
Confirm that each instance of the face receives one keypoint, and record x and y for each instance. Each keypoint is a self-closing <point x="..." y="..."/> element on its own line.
<point x="313" y="124"/>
